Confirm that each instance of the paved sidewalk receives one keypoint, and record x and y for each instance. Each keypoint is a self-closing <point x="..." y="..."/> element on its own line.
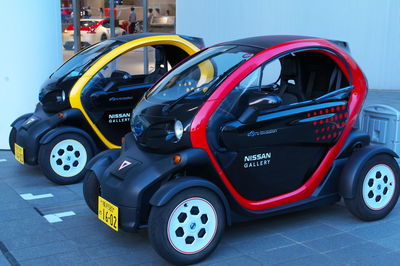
<point x="328" y="235"/>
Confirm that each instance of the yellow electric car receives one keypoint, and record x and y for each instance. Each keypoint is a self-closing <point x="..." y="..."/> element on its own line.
<point x="85" y="105"/>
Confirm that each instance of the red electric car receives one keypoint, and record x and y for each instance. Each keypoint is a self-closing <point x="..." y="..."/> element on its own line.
<point x="243" y="130"/>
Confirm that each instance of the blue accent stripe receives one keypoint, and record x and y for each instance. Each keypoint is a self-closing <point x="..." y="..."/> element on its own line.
<point x="299" y="110"/>
<point x="136" y="87"/>
<point x="316" y="118"/>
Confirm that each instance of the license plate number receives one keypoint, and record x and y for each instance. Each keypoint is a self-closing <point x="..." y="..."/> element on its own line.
<point x="19" y="153"/>
<point x="108" y="213"/>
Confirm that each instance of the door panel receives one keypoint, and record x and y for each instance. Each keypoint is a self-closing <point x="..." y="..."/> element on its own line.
<point x="114" y="110"/>
<point x="278" y="153"/>
<point x="263" y="173"/>
<point x="112" y="92"/>
<point x="279" y="148"/>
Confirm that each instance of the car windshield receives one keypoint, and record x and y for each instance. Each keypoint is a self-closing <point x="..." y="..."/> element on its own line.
<point x="81" y="61"/>
<point x="197" y="76"/>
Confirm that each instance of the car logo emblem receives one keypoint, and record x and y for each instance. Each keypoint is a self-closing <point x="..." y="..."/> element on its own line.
<point x="251" y="134"/>
<point x="124" y="164"/>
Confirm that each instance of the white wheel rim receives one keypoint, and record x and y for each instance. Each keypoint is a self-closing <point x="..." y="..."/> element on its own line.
<point x="192" y="225"/>
<point x="378" y="188"/>
<point x="68" y="158"/>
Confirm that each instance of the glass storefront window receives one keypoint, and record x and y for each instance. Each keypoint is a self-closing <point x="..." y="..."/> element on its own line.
<point x="95" y="23"/>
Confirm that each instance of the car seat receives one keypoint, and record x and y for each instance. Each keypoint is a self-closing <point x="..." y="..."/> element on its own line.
<point x="290" y="83"/>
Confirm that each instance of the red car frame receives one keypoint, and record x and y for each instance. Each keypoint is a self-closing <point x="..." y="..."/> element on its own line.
<point x="243" y="130"/>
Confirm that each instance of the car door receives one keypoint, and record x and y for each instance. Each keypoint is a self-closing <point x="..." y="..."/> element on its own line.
<point x="112" y="92"/>
<point x="276" y="149"/>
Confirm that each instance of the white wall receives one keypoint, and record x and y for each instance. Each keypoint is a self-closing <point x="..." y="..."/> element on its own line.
<point x="371" y="27"/>
<point x="30" y="49"/>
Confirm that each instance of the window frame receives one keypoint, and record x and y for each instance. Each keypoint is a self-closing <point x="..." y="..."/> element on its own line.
<point x="115" y="59"/>
<point x="322" y="50"/>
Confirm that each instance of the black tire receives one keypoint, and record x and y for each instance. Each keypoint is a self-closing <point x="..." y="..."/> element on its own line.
<point x="103" y="37"/>
<point x="45" y="164"/>
<point x="11" y="138"/>
<point x="358" y="205"/>
<point x="159" y="221"/>
<point x="91" y="190"/>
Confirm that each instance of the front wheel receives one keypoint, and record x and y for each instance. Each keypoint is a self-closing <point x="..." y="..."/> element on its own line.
<point x="64" y="158"/>
<point x="189" y="227"/>
<point x="377" y="190"/>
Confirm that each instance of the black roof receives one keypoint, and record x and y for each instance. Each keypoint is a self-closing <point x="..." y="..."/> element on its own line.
<point x="262" y="42"/>
<point x="265" y="42"/>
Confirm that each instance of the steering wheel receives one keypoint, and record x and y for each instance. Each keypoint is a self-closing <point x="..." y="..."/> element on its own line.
<point x="120" y="74"/>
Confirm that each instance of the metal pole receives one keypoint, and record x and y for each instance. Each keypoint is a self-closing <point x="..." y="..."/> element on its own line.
<point x="145" y="29"/>
<point x="145" y="22"/>
<point x="76" y="7"/>
<point x="112" y="18"/>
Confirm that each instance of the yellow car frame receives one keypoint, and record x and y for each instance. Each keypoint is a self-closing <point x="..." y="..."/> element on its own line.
<point x="85" y="105"/>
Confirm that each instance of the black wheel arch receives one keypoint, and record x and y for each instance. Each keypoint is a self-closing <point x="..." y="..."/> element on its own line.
<point x="53" y="133"/>
<point x="348" y="179"/>
<point x="20" y="119"/>
<point x="356" y="140"/>
<point x="168" y="190"/>
<point x="101" y="161"/>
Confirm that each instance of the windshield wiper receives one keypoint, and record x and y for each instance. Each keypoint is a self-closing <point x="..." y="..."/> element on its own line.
<point x="229" y="70"/>
<point x="88" y="64"/>
<point x="169" y="106"/>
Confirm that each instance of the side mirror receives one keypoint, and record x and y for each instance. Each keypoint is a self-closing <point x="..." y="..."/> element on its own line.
<point x="259" y="101"/>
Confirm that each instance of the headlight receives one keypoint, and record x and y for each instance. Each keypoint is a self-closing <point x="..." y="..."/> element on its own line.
<point x="178" y="127"/>
<point x="137" y="126"/>
<point x="61" y="97"/>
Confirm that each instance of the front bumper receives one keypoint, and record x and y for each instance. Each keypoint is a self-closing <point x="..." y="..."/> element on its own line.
<point x="29" y="130"/>
<point x="92" y="190"/>
<point x="131" y="178"/>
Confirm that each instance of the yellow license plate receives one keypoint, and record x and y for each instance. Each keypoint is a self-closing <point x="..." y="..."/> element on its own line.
<point x="108" y="213"/>
<point x="19" y="153"/>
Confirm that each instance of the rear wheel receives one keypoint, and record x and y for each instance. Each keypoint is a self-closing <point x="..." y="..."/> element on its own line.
<point x="189" y="227"/>
<point x="12" y="138"/>
<point x="377" y="188"/>
<point x="103" y="37"/>
<point x="64" y="158"/>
